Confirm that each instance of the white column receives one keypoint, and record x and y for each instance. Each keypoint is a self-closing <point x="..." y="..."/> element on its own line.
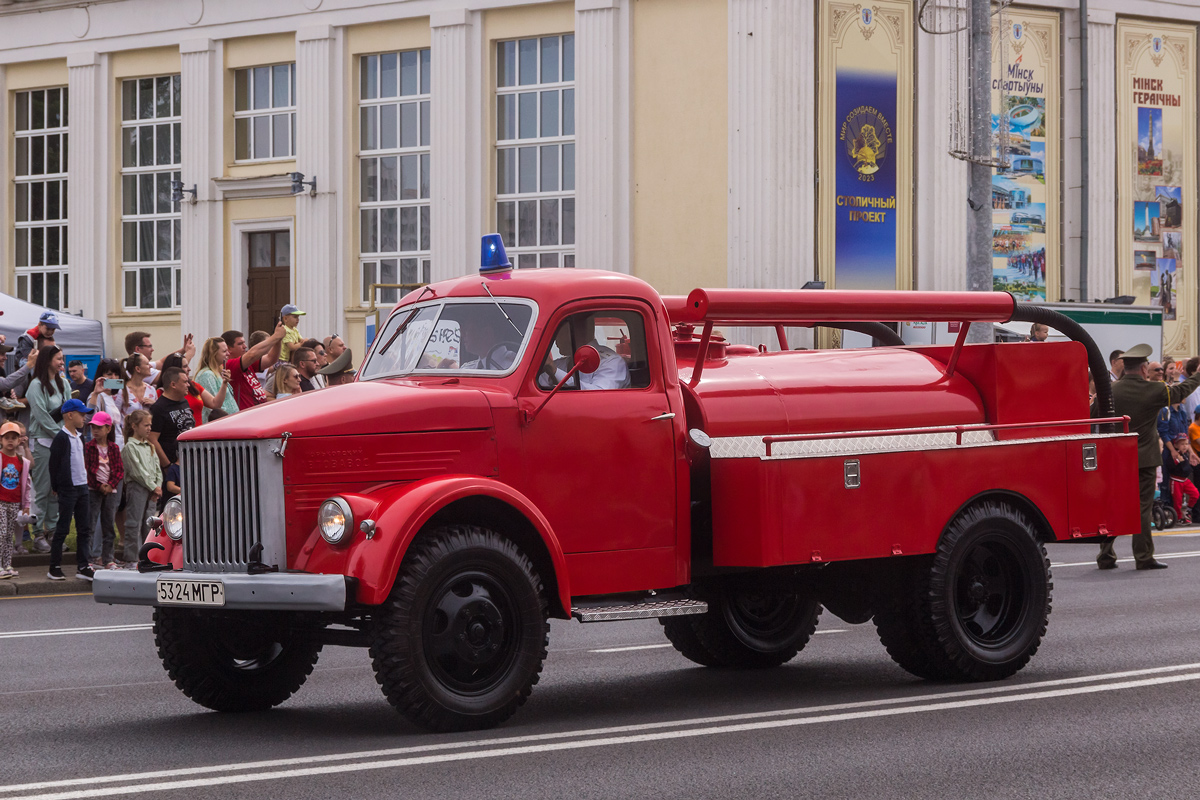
<point x="7" y="256"/>
<point x="941" y="181"/>
<point x="1102" y="197"/>
<point x="455" y="152"/>
<point x="317" y="264"/>
<point x="87" y="239"/>
<point x="772" y="107"/>
<point x="202" y="270"/>
<point x="602" y="135"/>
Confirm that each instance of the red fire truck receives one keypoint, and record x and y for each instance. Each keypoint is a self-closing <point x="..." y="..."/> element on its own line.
<point x="520" y="445"/>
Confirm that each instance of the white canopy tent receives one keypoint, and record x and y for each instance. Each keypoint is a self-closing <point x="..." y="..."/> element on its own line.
<point x="78" y="337"/>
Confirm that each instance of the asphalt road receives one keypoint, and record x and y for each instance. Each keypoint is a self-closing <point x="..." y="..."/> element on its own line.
<point x="1107" y="708"/>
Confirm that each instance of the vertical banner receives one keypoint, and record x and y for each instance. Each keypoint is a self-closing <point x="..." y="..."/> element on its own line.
<point x="1026" y="120"/>
<point x="1156" y="174"/>
<point x="866" y="145"/>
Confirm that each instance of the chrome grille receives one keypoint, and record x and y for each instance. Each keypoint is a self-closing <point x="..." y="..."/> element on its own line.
<point x="232" y="499"/>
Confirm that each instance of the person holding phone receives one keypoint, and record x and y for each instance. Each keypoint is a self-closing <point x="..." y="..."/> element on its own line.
<point x="110" y="380"/>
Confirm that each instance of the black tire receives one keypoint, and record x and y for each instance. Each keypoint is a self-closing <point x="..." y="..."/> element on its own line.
<point x="233" y="661"/>
<point x="1158" y="516"/>
<point x="746" y="626"/>
<point x="459" y="643"/>
<point x="977" y="609"/>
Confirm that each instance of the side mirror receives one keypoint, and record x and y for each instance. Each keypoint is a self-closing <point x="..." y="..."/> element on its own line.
<point x="587" y="359"/>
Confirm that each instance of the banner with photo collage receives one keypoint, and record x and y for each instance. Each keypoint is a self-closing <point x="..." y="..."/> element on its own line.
<point x="1156" y="174"/>
<point x="865" y="120"/>
<point x="1026" y="120"/>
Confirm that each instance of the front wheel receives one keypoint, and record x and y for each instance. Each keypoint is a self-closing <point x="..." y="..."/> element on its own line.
<point x="234" y="661"/>
<point x="977" y="610"/>
<point x="459" y="643"/>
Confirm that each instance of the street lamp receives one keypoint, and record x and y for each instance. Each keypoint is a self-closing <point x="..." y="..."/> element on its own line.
<point x="298" y="183"/>
<point x="177" y="192"/>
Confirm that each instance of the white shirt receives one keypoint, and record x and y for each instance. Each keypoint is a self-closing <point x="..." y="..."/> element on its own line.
<point x="78" y="472"/>
<point x="613" y="372"/>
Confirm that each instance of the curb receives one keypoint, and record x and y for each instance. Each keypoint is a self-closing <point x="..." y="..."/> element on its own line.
<point x="33" y="582"/>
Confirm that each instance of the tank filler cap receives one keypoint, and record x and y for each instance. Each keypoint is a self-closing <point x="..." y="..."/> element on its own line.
<point x="700" y="438"/>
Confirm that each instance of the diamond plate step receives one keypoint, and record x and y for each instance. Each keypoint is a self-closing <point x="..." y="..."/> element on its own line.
<point x="647" y="610"/>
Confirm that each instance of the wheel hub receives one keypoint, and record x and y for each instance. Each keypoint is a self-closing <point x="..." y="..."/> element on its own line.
<point x="469" y="633"/>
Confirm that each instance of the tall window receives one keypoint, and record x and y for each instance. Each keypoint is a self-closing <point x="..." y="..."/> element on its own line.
<point x="535" y="149"/>
<point x="150" y="159"/>
<point x="41" y="196"/>
<point x="264" y="116"/>
<point x="394" y="171"/>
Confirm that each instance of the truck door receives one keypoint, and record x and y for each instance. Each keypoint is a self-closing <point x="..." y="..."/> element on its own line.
<point x="601" y="454"/>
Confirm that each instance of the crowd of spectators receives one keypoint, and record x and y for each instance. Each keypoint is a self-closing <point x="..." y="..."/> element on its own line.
<point x="1178" y="434"/>
<point x="101" y="450"/>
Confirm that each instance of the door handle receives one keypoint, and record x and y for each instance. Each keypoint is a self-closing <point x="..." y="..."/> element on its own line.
<point x="667" y="415"/>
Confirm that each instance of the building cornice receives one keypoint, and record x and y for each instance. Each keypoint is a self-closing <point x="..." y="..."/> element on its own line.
<point x="258" y="186"/>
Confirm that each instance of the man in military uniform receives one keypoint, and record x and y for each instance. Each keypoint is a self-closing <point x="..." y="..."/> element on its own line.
<point x="1139" y="398"/>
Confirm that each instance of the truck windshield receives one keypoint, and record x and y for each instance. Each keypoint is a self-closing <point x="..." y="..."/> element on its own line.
<point x="465" y="337"/>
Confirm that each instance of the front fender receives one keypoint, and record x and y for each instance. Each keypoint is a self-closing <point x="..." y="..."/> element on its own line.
<point x="172" y="552"/>
<point x="399" y="512"/>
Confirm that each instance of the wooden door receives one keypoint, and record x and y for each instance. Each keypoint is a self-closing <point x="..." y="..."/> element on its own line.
<point x="268" y="278"/>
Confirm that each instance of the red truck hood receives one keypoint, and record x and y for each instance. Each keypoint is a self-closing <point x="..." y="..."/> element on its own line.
<point x="368" y="408"/>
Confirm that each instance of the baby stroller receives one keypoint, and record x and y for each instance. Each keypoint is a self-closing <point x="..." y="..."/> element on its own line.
<point x="1162" y="515"/>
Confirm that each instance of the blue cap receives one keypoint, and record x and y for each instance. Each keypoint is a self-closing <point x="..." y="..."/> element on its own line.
<point x="49" y="319"/>
<point x="493" y="255"/>
<point x="289" y="310"/>
<point x="77" y="405"/>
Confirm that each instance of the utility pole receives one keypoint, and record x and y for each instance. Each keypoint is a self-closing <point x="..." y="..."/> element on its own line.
<point x="979" y="193"/>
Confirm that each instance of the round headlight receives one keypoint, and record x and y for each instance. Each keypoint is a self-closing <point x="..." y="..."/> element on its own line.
<point x="172" y="518"/>
<point x="335" y="520"/>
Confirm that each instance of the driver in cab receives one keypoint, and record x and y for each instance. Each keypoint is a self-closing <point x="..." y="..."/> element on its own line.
<point x="480" y="344"/>
<point x="613" y="372"/>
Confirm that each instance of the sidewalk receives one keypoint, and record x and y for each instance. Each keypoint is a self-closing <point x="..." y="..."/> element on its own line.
<point x="33" y="581"/>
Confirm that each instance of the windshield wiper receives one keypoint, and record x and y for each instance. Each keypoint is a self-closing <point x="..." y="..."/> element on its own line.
<point x="520" y="332"/>
<point x="399" y="330"/>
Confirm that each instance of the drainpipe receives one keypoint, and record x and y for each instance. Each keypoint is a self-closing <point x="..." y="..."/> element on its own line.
<point x="1084" y="155"/>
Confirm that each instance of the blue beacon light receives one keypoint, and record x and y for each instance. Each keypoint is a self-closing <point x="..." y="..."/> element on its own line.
<point x="493" y="257"/>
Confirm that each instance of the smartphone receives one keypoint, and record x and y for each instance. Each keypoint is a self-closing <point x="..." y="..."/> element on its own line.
<point x="113" y="384"/>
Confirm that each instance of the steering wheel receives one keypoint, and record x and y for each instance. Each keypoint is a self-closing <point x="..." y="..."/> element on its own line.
<point x="489" y="363"/>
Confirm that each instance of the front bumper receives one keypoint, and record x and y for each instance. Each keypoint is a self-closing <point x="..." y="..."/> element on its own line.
<point x="274" y="591"/>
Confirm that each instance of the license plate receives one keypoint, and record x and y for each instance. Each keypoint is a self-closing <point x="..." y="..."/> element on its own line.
<point x="184" y="592"/>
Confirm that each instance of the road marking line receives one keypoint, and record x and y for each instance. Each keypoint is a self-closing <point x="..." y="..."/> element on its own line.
<point x="1159" y="556"/>
<point x="629" y="648"/>
<point x="833" y="630"/>
<point x="72" y="631"/>
<point x="610" y="741"/>
<point x="44" y="596"/>
<point x="950" y="697"/>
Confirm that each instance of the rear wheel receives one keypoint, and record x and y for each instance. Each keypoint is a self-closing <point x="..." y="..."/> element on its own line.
<point x="234" y="661"/>
<point x="459" y="643"/>
<point x="976" y="610"/>
<point x="746" y="626"/>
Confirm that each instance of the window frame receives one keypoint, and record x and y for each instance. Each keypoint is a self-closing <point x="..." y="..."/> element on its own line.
<point x="512" y="201"/>
<point x="132" y="270"/>
<point x="24" y="184"/>
<point x="267" y="112"/>
<point x="371" y="104"/>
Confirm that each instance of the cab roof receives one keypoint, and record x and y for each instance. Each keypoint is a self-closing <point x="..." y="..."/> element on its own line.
<point x="550" y="288"/>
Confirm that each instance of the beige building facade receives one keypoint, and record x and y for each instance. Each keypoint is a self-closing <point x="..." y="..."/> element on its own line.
<point x="191" y="165"/>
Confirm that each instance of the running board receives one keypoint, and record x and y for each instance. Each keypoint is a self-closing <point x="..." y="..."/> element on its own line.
<point x="647" y="610"/>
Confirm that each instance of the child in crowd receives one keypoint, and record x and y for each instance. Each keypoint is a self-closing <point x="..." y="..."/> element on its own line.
<point x="290" y="316"/>
<point x="1180" y="474"/>
<point x="105" y="473"/>
<point x="171" y="484"/>
<point x="15" y="495"/>
<point x="69" y="482"/>
<point x="143" y="480"/>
